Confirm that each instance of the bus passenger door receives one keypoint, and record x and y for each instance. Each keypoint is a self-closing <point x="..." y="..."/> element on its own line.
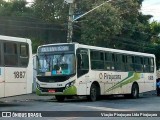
<point x="2" y="82"/>
<point x="82" y="70"/>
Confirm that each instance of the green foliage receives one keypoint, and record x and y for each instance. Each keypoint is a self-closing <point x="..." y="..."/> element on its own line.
<point x="51" y="10"/>
<point x="135" y="26"/>
<point x="36" y="43"/>
<point x="14" y="8"/>
<point x="154" y="47"/>
<point x="155" y="27"/>
<point x="101" y="25"/>
<point x="117" y="24"/>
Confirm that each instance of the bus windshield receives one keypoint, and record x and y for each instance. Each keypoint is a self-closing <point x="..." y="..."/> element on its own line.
<point x="57" y="64"/>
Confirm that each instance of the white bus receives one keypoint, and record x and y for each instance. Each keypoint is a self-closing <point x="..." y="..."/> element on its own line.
<point x="16" y="67"/>
<point x="69" y="69"/>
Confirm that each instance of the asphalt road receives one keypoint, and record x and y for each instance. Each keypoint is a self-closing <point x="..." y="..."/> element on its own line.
<point x="31" y="102"/>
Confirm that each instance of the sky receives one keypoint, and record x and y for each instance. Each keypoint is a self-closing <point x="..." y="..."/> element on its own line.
<point x="151" y="7"/>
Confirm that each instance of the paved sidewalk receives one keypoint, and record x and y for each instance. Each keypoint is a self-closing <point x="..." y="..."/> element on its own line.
<point x="26" y="97"/>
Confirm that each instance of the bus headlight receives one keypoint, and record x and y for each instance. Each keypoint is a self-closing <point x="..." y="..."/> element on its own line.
<point x="70" y="84"/>
<point x="38" y="86"/>
<point x="67" y="85"/>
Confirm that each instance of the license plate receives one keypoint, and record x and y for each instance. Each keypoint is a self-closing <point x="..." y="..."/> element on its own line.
<point x="51" y="91"/>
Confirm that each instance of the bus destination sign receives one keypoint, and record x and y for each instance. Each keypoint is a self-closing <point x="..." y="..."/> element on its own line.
<point x="55" y="48"/>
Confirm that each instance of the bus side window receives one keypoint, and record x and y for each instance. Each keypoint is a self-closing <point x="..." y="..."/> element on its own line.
<point x="151" y="63"/>
<point x="146" y="64"/>
<point x="108" y="61"/>
<point x="130" y="63"/>
<point x="118" y="63"/>
<point x="10" y="51"/>
<point x="24" y="55"/>
<point x="138" y="64"/>
<point x="79" y="61"/>
<point x="0" y="56"/>
<point x="124" y="60"/>
<point x="82" y="62"/>
<point x="97" y="60"/>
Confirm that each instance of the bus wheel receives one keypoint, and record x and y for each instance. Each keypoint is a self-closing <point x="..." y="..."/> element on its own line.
<point x="93" y="93"/>
<point x="135" y="91"/>
<point x="60" y="98"/>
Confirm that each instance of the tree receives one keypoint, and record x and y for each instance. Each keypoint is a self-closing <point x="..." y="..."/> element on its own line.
<point x="154" y="48"/>
<point x="51" y="10"/>
<point x="100" y="26"/>
<point x="134" y="34"/>
<point x="14" y="8"/>
<point x="117" y="24"/>
<point x="155" y="32"/>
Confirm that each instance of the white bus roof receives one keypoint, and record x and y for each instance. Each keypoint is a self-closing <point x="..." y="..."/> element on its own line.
<point x="103" y="49"/>
<point x="10" y="38"/>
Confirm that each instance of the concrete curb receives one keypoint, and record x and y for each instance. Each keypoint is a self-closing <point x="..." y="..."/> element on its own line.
<point x="26" y="97"/>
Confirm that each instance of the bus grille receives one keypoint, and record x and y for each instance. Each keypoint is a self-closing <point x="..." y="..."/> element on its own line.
<point x="52" y="79"/>
<point x="56" y="89"/>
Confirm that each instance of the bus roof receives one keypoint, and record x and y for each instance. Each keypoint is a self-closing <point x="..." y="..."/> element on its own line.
<point x="10" y="38"/>
<point x="103" y="49"/>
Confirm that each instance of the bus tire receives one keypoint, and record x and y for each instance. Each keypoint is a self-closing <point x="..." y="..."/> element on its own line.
<point x="135" y="91"/>
<point x="94" y="93"/>
<point x="60" y="98"/>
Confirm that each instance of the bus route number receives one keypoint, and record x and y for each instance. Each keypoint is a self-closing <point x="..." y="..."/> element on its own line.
<point x="19" y="74"/>
<point x="150" y="77"/>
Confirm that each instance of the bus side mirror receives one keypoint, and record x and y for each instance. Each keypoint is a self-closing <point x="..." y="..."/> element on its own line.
<point x="158" y="68"/>
<point x="36" y="62"/>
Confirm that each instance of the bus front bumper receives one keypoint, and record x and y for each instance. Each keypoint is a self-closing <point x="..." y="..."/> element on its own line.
<point x="67" y="91"/>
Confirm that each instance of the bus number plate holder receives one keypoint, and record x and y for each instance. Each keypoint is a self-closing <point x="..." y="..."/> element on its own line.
<point x="51" y="91"/>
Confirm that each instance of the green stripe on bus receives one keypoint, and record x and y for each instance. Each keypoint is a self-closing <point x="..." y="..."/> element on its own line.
<point x="136" y="76"/>
<point x="130" y="74"/>
<point x="70" y="91"/>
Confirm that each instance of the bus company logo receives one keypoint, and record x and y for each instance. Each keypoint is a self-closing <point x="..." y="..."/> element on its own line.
<point x="109" y="77"/>
<point x="6" y="114"/>
<point x="101" y="75"/>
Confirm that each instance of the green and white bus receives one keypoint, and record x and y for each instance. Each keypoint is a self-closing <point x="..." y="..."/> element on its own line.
<point x="16" y="66"/>
<point x="72" y="69"/>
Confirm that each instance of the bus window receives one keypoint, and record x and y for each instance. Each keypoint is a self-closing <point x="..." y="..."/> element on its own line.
<point x="82" y="62"/>
<point x="24" y="55"/>
<point x="138" y="64"/>
<point x="10" y="51"/>
<point x="57" y="64"/>
<point x="0" y="56"/>
<point x="97" y="60"/>
<point x="119" y="66"/>
<point x="129" y="64"/>
<point x="124" y="61"/>
<point x="151" y="63"/>
<point x="146" y="64"/>
<point x="108" y="61"/>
